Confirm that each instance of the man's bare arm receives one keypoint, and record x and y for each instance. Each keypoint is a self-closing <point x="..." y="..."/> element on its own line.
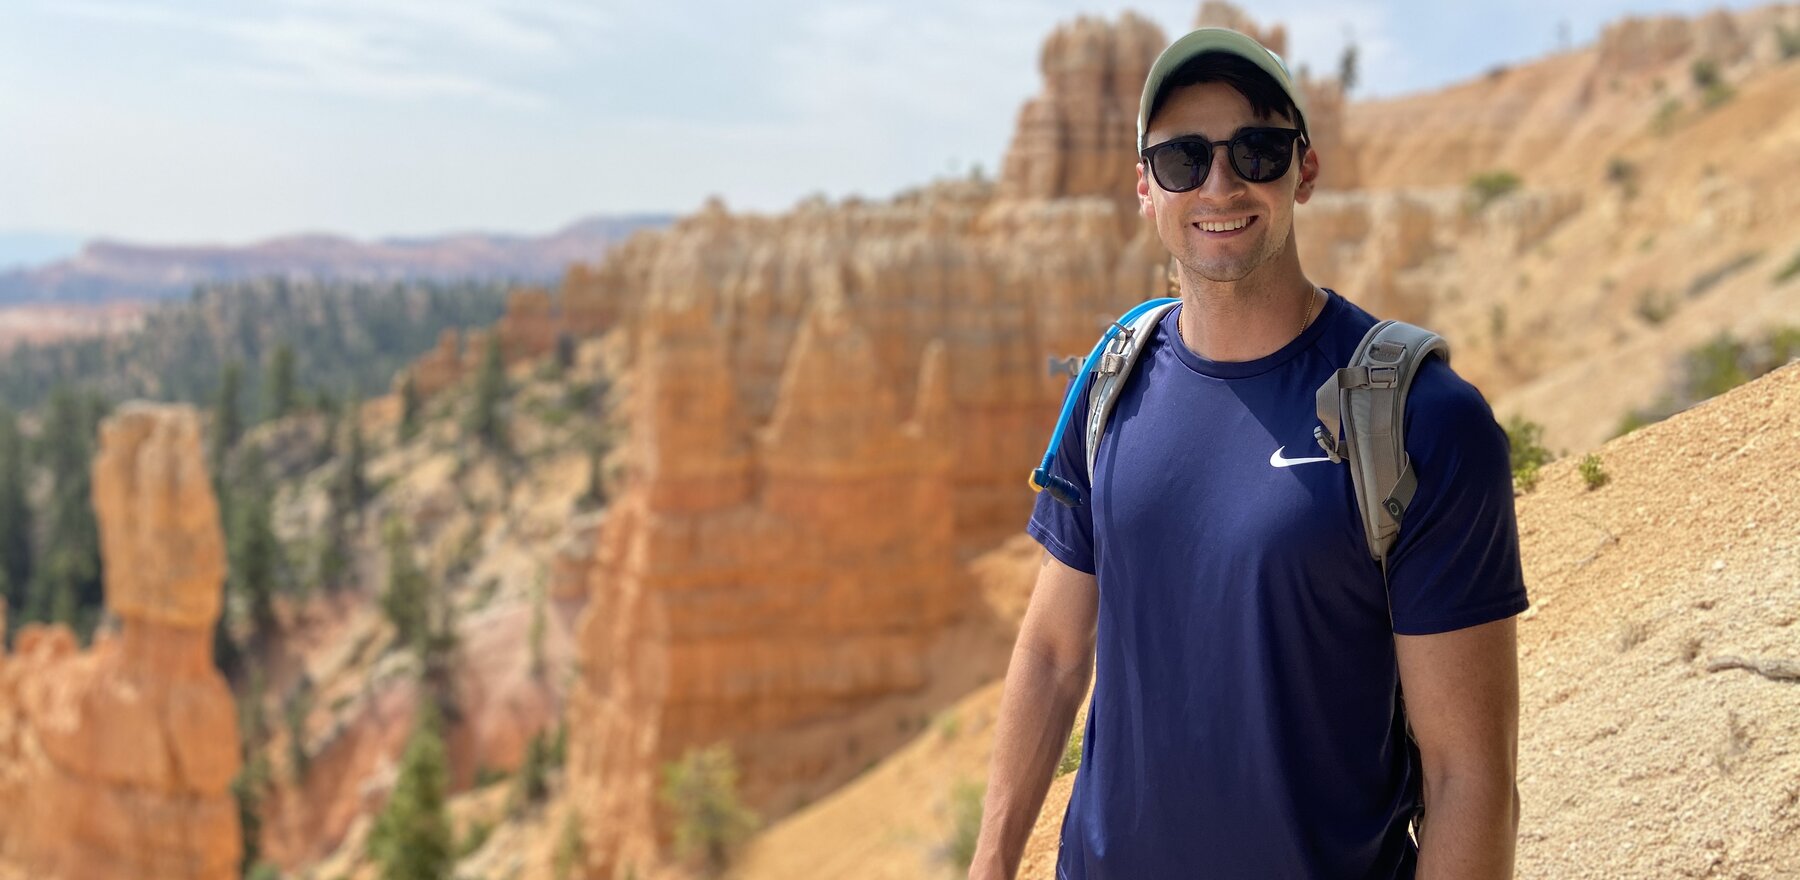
<point x="1462" y="696"/>
<point x="1052" y="662"/>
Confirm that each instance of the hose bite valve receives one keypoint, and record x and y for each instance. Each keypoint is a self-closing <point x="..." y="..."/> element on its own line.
<point x="1062" y="490"/>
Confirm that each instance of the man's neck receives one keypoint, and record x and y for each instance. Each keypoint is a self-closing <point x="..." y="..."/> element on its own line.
<point x="1235" y="321"/>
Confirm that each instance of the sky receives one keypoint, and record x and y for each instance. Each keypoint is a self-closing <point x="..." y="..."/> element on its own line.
<point x="230" y="121"/>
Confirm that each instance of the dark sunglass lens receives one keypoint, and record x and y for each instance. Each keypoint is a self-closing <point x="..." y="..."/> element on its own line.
<point x="1261" y="155"/>
<point x="1180" y="165"/>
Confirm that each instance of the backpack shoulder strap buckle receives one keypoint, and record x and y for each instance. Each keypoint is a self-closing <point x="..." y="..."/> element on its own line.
<point x="1367" y="400"/>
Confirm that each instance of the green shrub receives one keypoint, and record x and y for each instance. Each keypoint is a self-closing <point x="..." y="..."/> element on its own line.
<point x="1526" y="478"/>
<point x="1788" y="41"/>
<point x="532" y="785"/>
<point x="947" y="724"/>
<point x="1706" y="73"/>
<point x="1790" y="270"/>
<point x="1666" y="116"/>
<point x="965" y="823"/>
<point x="474" y="836"/>
<point x="1484" y="188"/>
<point x="1718" y="366"/>
<point x="1654" y="306"/>
<point x="570" y="851"/>
<point x="1071" y="758"/>
<point x="701" y="790"/>
<point x="1525" y="439"/>
<point x="1592" y="472"/>
<point x="412" y="836"/>
<point x="1636" y="419"/>
<point x="1713" y="88"/>
<point x="1623" y="174"/>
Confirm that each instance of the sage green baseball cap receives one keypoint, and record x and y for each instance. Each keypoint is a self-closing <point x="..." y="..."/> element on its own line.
<point x="1213" y="39"/>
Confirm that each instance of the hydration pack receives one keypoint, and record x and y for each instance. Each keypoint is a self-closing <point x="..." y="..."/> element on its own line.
<point x="1361" y="407"/>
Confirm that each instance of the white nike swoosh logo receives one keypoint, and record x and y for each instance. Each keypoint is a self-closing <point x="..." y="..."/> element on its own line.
<point x="1275" y="459"/>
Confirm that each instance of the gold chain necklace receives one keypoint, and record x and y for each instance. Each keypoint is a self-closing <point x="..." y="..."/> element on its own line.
<point x="1312" y="297"/>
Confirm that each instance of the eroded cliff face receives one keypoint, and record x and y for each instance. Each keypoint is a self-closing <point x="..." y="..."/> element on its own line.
<point x="118" y="759"/>
<point x="828" y="411"/>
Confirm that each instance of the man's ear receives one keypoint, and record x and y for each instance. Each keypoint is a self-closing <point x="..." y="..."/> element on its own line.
<point x="1146" y="207"/>
<point x="1309" y="175"/>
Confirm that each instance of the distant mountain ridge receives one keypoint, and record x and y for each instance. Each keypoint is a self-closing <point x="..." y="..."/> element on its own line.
<point x="112" y="270"/>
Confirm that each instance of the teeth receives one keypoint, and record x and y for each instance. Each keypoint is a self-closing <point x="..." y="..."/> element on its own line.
<point x="1225" y="227"/>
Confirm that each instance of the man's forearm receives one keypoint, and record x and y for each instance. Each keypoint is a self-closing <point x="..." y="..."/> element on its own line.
<point x="1470" y="829"/>
<point x="1037" y="710"/>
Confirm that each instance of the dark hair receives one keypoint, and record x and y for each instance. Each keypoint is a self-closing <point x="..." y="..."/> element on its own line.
<point x="1265" y="95"/>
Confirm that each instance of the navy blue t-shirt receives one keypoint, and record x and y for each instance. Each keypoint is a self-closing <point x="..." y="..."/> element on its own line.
<point x="1246" y="720"/>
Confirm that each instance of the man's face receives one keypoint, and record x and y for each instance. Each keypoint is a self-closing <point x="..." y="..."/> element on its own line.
<point x="1217" y="111"/>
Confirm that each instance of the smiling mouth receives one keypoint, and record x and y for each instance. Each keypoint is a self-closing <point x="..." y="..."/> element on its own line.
<point x="1225" y="227"/>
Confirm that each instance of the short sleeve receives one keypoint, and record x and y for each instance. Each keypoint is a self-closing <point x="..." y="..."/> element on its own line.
<point x="1067" y="533"/>
<point x="1456" y="561"/>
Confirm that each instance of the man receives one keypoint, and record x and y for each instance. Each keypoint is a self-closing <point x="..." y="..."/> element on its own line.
<point x="1247" y="655"/>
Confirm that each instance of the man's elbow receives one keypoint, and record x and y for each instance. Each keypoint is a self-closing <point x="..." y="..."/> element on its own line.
<point x="1489" y="791"/>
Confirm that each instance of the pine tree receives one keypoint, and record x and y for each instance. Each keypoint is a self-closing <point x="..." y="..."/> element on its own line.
<point x="701" y="789"/>
<point x="352" y="482"/>
<point x="410" y="405"/>
<point x="565" y="353"/>
<point x="252" y="781"/>
<point x="595" y="495"/>
<point x="490" y="389"/>
<point x="532" y="785"/>
<point x="251" y="546"/>
<point x="1347" y="68"/>
<point x="412" y="838"/>
<point x="278" y="390"/>
<point x="404" y="599"/>
<point x="15" y="514"/>
<point x="294" y="710"/>
<point x="65" y="583"/>
<point x="345" y="495"/>
<point x="227" y="421"/>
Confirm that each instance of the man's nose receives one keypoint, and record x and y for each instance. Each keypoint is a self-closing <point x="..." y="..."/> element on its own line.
<point x="1221" y="179"/>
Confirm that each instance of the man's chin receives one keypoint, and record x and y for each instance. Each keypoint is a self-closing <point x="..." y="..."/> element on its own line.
<point x="1222" y="272"/>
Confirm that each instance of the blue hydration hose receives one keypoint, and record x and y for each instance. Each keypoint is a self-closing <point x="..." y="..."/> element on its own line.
<point x="1060" y="489"/>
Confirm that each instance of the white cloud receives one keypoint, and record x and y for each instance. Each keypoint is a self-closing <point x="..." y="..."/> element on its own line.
<point x="377" y="48"/>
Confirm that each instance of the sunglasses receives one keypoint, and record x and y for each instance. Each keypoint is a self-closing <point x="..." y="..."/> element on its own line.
<point x="1258" y="155"/>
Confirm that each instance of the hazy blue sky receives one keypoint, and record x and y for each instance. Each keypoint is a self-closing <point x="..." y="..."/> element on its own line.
<point x="233" y="120"/>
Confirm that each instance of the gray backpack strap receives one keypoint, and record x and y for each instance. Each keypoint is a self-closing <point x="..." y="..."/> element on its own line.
<point x="1109" y="379"/>
<point x="1367" y="399"/>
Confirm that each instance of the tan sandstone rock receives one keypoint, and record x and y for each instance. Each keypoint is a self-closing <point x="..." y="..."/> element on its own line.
<point x="121" y="757"/>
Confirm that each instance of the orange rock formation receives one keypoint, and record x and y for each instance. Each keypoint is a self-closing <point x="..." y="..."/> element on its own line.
<point x="118" y="760"/>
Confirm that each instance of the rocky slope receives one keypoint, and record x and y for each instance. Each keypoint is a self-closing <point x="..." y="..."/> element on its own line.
<point x="506" y="537"/>
<point x="1654" y="209"/>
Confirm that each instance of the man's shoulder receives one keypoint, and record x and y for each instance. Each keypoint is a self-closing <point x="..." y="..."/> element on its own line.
<point x="1436" y="387"/>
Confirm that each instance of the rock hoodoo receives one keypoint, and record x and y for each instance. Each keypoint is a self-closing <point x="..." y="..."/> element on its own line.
<point x="119" y="759"/>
